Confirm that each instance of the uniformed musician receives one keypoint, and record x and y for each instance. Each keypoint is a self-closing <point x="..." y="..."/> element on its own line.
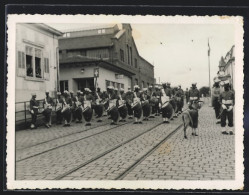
<point x="34" y="106"/>
<point x="112" y="109"/>
<point x="78" y="100"/>
<point x="66" y="108"/>
<point x="145" y="100"/>
<point x="47" y="104"/>
<point x="167" y="109"/>
<point x="129" y="100"/>
<point x="99" y="104"/>
<point x="152" y="101"/>
<point x="58" y="106"/>
<point x="87" y="108"/>
<point x="122" y="108"/>
<point x="227" y="101"/>
<point x="136" y="105"/>
<point x="216" y="91"/>
<point x="181" y="95"/>
<point x="73" y="118"/>
<point x="187" y="95"/>
<point x="157" y="95"/>
<point x="194" y="95"/>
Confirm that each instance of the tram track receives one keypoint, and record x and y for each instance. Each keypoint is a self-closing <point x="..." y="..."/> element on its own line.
<point x="54" y="148"/>
<point x="104" y="153"/>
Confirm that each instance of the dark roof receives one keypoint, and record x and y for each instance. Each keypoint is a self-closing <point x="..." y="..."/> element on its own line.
<point x="86" y="42"/>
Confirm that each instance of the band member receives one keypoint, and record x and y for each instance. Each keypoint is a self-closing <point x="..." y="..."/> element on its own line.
<point x="172" y="100"/>
<point x="194" y="95"/>
<point x="167" y="109"/>
<point x="227" y="101"/>
<point x="78" y="100"/>
<point x="157" y="96"/>
<point x="58" y="106"/>
<point x="105" y="102"/>
<point x="187" y="95"/>
<point x="136" y="105"/>
<point x="66" y="108"/>
<point x="73" y="106"/>
<point x="87" y="110"/>
<point x="216" y="91"/>
<point x="99" y="104"/>
<point x="152" y="101"/>
<point x="122" y="108"/>
<point x="47" y="103"/>
<point x="112" y="109"/>
<point x="145" y="100"/>
<point x="179" y="99"/>
<point x="129" y="96"/>
<point x="34" y="105"/>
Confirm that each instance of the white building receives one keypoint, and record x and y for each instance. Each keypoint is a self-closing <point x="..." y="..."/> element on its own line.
<point x="37" y="60"/>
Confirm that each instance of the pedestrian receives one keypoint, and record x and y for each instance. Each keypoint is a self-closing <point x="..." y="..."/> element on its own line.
<point x="34" y="105"/>
<point x="136" y="105"/>
<point x="58" y="106"/>
<point x="66" y="108"/>
<point x="122" y="108"/>
<point x="87" y="110"/>
<point x="216" y="92"/>
<point x="227" y="101"/>
<point x="167" y="108"/>
<point x="47" y="104"/>
<point x="194" y="95"/>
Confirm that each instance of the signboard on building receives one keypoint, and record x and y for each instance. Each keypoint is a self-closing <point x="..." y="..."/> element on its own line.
<point x="119" y="76"/>
<point x="96" y="72"/>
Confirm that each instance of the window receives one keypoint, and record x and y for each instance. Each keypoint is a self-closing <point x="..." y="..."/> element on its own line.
<point x="122" y="55"/>
<point x="122" y="85"/>
<point x="38" y="63"/>
<point x="63" y="86"/>
<point x="135" y="63"/>
<point x="107" y="83"/>
<point x="136" y="82"/>
<point x="128" y="55"/>
<point x="103" y="31"/>
<point x="29" y="61"/>
<point x="21" y="60"/>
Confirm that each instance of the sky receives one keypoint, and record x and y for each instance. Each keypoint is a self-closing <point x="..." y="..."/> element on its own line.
<point x="179" y="51"/>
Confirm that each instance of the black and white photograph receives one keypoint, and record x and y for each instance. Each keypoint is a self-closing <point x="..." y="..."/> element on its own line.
<point x="125" y="102"/>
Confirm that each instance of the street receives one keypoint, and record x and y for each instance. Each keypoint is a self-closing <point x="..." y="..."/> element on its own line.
<point x="148" y="151"/>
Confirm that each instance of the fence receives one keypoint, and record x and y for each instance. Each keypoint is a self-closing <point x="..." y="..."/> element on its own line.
<point x="22" y="112"/>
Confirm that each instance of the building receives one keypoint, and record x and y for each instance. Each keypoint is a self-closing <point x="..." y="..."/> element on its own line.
<point x="36" y="60"/>
<point x="109" y="52"/>
<point x="226" y="66"/>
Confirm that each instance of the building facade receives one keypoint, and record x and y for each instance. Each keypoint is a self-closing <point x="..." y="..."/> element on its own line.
<point x="107" y="50"/>
<point x="227" y="65"/>
<point x="37" y="60"/>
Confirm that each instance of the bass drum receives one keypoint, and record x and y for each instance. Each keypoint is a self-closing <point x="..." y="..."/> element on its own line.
<point x="88" y="114"/>
<point x="99" y="110"/>
<point x="114" y="114"/>
<point x="146" y="109"/>
<point x="137" y="110"/>
<point x="167" y="111"/>
<point x="123" y="111"/>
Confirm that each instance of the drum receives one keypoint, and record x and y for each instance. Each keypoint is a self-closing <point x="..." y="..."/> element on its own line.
<point x="136" y="103"/>
<point x="87" y="104"/>
<point x="112" y="104"/>
<point x="146" y="108"/>
<point x="58" y="107"/>
<point x="65" y="109"/>
<point x="165" y="101"/>
<point x="121" y="103"/>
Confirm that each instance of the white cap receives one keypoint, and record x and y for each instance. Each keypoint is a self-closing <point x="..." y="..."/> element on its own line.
<point x="47" y="91"/>
<point x="71" y="92"/>
<point x="33" y="93"/>
<point x="226" y="82"/>
<point x="121" y="89"/>
<point x="110" y="87"/>
<point x="58" y="93"/>
<point x="216" y="80"/>
<point x="136" y="87"/>
<point x="145" y="89"/>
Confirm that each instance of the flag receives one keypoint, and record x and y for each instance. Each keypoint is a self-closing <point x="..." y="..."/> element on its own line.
<point x="208" y="48"/>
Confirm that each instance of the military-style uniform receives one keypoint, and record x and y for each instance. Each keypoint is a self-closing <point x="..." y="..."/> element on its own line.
<point x="34" y="105"/>
<point x="113" y="109"/>
<point x="227" y="100"/>
<point x="157" y="94"/>
<point x="167" y="108"/>
<point x="216" y="92"/>
<point x="137" y="107"/>
<point x="122" y="108"/>
<point x="194" y="95"/>
<point x="129" y="100"/>
<point x="87" y="110"/>
<point x="58" y="105"/>
<point x="187" y="95"/>
<point x="99" y="106"/>
<point x="48" y="103"/>
<point x="78" y="101"/>
<point x="66" y="109"/>
<point x="180" y="94"/>
<point x="145" y="100"/>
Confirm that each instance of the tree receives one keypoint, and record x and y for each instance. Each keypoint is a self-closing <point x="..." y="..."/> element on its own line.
<point x="204" y="91"/>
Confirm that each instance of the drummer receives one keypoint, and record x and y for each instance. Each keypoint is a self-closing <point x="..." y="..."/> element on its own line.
<point x="48" y="103"/>
<point x="136" y="105"/>
<point x="99" y="106"/>
<point x="78" y="100"/>
<point x="167" y="109"/>
<point x="145" y="104"/>
<point x="58" y="105"/>
<point x="122" y="108"/>
<point x="112" y="109"/>
<point x="87" y="110"/>
<point x="129" y="100"/>
<point x="66" y="108"/>
<point x="73" y="107"/>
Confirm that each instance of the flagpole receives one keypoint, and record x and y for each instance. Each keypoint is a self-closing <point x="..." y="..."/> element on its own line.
<point x="209" y="72"/>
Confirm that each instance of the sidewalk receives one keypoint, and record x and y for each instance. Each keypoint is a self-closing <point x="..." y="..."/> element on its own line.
<point x="209" y="156"/>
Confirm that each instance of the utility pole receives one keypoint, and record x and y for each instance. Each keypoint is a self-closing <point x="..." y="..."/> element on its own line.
<point x="209" y="72"/>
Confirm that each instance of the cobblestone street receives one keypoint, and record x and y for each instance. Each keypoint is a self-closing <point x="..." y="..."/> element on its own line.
<point x="147" y="151"/>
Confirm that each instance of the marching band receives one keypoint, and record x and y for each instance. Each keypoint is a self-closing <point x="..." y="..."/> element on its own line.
<point x="139" y="105"/>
